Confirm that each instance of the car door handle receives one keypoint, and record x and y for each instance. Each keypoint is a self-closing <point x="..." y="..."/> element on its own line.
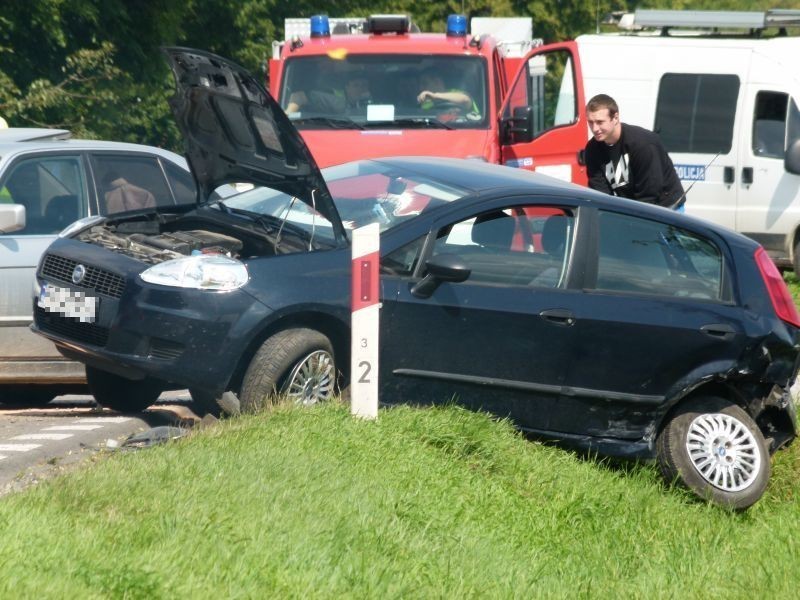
<point x="747" y="175"/>
<point x="722" y="331"/>
<point x="559" y="316"/>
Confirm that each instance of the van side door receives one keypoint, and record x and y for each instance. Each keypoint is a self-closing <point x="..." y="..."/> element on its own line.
<point x="542" y="123"/>
<point x="767" y="208"/>
<point x="698" y="119"/>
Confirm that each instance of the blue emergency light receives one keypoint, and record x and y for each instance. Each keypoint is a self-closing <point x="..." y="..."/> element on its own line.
<point x="320" y="27"/>
<point x="456" y="25"/>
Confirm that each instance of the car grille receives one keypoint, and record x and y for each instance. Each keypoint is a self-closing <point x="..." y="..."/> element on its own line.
<point x="101" y="281"/>
<point x="73" y="329"/>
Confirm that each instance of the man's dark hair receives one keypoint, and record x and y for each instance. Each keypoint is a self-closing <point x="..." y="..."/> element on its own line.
<point x="601" y="101"/>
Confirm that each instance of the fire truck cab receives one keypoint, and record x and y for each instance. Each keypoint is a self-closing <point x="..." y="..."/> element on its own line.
<point x="382" y="89"/>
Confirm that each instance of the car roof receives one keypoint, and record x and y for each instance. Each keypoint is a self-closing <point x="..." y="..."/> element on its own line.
<point x="482" y="177"/>
<point x="22" y="134"/>
<point x="487" y="179"/>
<point x="8" y="148"/>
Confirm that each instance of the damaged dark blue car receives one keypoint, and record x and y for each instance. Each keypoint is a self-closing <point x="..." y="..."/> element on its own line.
<point x="612" y="325"/>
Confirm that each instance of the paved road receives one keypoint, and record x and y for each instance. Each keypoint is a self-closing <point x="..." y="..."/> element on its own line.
<point x="37" y="443"/>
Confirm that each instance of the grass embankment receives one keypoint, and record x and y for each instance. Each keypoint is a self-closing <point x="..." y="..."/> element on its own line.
<point x="423" y="503"/>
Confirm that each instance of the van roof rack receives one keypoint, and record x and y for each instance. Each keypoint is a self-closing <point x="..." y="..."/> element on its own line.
<point x="754" y="21"/>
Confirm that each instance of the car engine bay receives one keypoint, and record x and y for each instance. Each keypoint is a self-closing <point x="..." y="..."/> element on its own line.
<point x="154" y="248"/>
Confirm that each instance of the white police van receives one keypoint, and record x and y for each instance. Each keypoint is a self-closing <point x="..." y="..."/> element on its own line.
<point x="722" y="90"/>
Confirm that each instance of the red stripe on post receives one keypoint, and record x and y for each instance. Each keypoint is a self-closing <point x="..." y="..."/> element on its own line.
<point x="364" y="290"/>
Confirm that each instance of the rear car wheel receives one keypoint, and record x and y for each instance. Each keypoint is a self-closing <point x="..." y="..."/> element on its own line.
<point x="296" y="363"/>
<point x="715" y="449"/>
<point x="122" y="394"/>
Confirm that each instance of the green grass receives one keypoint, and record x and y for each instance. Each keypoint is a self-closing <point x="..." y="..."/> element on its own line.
<point x="422" y="503"/>
<point x="794" y="286"/>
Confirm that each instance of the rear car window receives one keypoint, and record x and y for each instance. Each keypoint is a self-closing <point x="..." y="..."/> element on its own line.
<point x="649" y="257"/>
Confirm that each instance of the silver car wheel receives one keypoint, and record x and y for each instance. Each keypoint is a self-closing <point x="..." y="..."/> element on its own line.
<point x="724" y="451"/>
<point x="312" y="379"/>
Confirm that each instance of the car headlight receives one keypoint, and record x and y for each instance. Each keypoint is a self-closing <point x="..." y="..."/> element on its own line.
<point x="201" y="272"/>
<point x="80" y="225"/>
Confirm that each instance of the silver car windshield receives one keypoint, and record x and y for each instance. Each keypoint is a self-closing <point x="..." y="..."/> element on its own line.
<point x="363" y="192"/>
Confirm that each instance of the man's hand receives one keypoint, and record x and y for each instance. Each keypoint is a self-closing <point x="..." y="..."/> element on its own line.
<point x="296" y="101"/>
<point x="426" y="95"/>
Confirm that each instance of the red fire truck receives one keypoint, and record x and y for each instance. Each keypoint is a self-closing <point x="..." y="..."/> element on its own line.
<point x="381" y="89"/>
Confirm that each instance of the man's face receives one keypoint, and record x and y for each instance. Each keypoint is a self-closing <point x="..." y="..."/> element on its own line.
<point x="357" y="89"/>
<point x="603" y="126"/>
<point x="430" y="82"/>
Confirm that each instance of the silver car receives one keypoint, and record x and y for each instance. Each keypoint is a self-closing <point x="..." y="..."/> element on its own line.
<point x="46" y="183"/>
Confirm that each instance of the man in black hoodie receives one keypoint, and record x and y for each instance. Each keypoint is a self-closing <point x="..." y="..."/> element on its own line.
<point x="629" y="161"/>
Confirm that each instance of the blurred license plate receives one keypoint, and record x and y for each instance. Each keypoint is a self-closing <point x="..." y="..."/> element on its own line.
<point x="68" y="303"/>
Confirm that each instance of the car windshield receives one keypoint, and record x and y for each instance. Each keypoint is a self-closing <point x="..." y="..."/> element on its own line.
<point x="403" y="91"/>
<point x="364" y="192"/>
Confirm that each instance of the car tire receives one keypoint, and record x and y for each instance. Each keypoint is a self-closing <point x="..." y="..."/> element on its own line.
<point x="715" y="449"/>
<point x="297" y="364"/>
<point x="796" y="259"/>
<point x="120" y="393"/>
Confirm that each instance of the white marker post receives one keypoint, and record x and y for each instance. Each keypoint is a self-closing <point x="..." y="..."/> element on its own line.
<point x="365" y="307"/>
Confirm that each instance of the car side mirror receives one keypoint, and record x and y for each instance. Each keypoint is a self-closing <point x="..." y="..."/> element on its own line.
<point x="444" y="267"/>
<point x="12" y="217"/>
<point x="519" y="128"/>
<point x="791" y="160"/>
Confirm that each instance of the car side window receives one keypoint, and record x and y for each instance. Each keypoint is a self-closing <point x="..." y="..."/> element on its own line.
<point x="52" y="189"/>
<point x="520" y="246"/>
<point x="648" y="257"/>
<point x="182" y="183"/>
<point x="130" y="182"/>
<point x="404" y="260"/>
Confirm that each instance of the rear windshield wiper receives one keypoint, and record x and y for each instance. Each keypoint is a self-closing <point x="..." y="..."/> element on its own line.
<point x="332" y="122"/>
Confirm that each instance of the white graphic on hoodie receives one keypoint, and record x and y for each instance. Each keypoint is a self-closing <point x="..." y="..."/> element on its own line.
<point x="618" y="177"/>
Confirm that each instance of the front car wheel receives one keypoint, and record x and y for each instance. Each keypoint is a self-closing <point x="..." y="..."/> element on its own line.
<point x="296" y="363"/>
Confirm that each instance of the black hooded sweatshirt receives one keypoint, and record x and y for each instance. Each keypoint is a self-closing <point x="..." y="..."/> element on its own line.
<point x="636" y="167"/>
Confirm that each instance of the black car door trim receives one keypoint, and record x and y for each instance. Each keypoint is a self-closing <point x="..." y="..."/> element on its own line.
<point x="533" y="387"/>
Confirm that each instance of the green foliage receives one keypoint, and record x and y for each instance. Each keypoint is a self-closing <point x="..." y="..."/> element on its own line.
<point x="95" y="66"/>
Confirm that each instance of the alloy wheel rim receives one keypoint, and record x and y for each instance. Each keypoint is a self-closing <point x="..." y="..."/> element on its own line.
<point x="723" y="451"/>
<point x="312" y="379"/>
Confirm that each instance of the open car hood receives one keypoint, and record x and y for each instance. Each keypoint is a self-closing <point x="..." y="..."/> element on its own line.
<point x="234" y="131"/>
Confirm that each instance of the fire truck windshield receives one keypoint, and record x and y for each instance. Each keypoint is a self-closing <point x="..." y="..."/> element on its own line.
<point x="385" y="90"/>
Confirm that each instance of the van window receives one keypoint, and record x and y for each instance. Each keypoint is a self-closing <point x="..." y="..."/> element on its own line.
<point x="695" y="112"/>
<point x="769" y="124"/>
<point x="794" y="123"/>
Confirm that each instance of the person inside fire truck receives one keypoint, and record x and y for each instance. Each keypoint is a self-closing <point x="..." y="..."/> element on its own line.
<point x="434" y="95"/>
<point x="353" y="97"/>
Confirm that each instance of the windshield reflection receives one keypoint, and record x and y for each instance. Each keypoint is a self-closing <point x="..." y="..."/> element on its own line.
<point x="364" y="193"/>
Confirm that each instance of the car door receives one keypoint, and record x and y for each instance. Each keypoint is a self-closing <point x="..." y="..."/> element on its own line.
<point x="657" y="315"/>
<point x="53" y="189"/>
<point x="497" y="341"/>
<point x="543" y="126"/>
